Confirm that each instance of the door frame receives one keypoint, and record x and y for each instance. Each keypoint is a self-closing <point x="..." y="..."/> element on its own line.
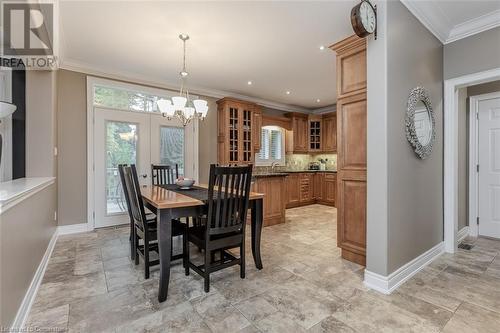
<point x="91" y="82"/>
<point x="450" y="181"/>
<point x="474" y="159"/>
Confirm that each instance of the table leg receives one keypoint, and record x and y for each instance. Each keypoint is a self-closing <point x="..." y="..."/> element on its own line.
<point x="165" y="250"/>
<point x="257" y="216"/>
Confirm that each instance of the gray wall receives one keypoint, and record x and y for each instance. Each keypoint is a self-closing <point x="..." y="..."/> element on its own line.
<point x="29" y="234"/>
<point x="473" y="54"/>
<point x="28" y="226"/>
<point x="415" y="186"/>
<point x="72" y="145"/>
<point x="408" y="196"/>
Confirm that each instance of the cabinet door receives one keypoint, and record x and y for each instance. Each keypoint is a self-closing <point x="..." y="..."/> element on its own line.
<point x="234" y="134"/>
<point x="300" y="135"/>
<point x="314" y="134"/>
<point x="293" y="190"/>
<point x="257" y="129"/>
<point x="329" y="134"/>
<point x="330" y="188"/>
<point x="246" y="146"/>
<point x="318" y="186"/>
<point x="274" y="199"/>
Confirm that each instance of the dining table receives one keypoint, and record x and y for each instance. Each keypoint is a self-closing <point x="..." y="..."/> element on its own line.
<point x="170" y="204"/>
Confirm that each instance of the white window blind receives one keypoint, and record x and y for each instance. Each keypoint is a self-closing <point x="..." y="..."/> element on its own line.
<point x="272" y="146"/>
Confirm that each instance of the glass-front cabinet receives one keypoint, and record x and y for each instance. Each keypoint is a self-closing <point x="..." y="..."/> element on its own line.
<point x="239" y="124"/>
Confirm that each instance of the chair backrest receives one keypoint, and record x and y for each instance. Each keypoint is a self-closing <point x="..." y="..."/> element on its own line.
<point x="134" y="193"/>
<point x="125" y="192"/>
<point x="164" y="174"/>
<point x="228" y="195"/>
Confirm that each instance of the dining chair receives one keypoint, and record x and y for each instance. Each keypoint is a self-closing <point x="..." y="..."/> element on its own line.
<point x="224" y="228"/>
<point x="145" y="228"/>
<point x="164" y="174"/>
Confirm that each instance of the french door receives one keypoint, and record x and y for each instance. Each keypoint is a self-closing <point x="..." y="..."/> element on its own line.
<point x="124" y="137"/>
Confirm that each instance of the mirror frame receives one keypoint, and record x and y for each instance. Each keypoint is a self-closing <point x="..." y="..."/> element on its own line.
<point x="416" y="95"/>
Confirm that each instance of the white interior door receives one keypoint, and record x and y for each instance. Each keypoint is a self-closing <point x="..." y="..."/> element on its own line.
<point x="120" y="137"/>
<point x="489" y="167"/>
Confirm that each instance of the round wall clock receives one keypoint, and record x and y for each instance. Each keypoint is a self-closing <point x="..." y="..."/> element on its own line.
<point x="364" y="19"/>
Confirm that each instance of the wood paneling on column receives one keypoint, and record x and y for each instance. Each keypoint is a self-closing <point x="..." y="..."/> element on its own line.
<point x="351" y="148"/>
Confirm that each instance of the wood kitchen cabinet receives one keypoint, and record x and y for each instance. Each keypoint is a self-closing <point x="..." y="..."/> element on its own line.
<point x="329" y="133"/>
<point x="293" y="190"/>
<point x="351" y="140"/>
<point x="314" y="133"/>
<point x="274" y="201"/>
<point x="306" y="188"/>
<point x="238" y="127"/>
<point x="300" y="127"/>
<point x="318" y="180"/>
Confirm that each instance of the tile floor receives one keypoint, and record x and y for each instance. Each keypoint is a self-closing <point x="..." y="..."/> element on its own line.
<point x="91" y="286"/>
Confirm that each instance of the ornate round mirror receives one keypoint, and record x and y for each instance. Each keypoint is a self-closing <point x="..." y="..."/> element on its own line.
<point x="420" y="125"/>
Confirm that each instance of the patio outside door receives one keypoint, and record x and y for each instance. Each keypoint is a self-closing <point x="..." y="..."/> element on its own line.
<point x="124" y="137"/>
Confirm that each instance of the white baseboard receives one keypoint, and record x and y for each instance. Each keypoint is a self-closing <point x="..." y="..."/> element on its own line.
<point x="462" y="233"/>
<point x="72" y="229"/>
<point x="387" y="284"/>
<point x="29" y="298"/>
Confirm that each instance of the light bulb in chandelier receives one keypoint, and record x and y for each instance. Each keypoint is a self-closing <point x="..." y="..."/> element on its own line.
<point x="184" y="73"/>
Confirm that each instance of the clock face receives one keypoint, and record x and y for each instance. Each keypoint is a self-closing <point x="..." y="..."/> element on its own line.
<point x="367" y="17"/>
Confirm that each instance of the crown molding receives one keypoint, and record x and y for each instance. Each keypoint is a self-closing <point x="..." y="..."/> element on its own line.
<point x="435" y="20"/>
<point x="132" y="77"/>
<point x="431" y="18"/>
<point x="326" y="109"/>
<point x="474" y="26"/>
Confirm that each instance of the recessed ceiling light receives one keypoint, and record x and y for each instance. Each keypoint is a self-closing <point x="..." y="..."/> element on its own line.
<point x="322" y="47"/>
<point x="318" y="100"/>
<point x="287" y="92"/>
<point x="249" y="83"/>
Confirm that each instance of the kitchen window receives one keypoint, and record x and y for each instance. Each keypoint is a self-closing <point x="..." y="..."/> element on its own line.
<point x="272" y="146"/>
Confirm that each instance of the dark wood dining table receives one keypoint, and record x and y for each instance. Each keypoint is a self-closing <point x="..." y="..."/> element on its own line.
<point x="170" y="205"/>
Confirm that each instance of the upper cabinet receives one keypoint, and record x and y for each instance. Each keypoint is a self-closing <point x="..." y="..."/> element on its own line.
<point x="300" y="128"/>
<point x="351" y="66"/>
<point x="312" y="133"/>
<point x="329" y="133"/>
<point x="239" y="127"/>
<point x="315" y="130"/>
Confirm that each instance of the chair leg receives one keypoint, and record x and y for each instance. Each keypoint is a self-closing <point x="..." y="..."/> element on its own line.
<point x="186" y="252"/>
<point x="136" y="249"/>
<point x="146" y="257"/>
<point x="242" y="259"/>
<point x="207" y="270"/>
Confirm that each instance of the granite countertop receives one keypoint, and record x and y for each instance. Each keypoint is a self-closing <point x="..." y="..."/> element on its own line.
<point x="285" y="173"/>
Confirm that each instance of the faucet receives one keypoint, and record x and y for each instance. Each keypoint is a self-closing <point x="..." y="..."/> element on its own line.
<point x="273" y="166"/>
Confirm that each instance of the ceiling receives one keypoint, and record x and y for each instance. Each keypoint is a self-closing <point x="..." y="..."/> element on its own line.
<point x="453" y="20"/>
<point x="273" y="44"/>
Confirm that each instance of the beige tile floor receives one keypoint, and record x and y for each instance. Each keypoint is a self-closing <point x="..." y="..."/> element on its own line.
<point x="91" y="286"/>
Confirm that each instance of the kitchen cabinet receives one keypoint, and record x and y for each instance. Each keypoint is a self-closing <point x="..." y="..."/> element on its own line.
<point x="238" y="127"/>
<point x="293" y="190"/>
<point x="274" y="201"/>
<point x="314" y="133"/>
<point x="305" y="188"/>
<point x="329" y="133"/>
<point x="351" y="158"/>
<point x="300" y="126"/>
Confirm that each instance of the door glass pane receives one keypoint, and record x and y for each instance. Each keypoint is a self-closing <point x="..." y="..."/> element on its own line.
<point x="172" y="147"/>
<point x="121" y="148"/>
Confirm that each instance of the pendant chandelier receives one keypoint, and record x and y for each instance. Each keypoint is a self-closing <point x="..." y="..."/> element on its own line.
<point x="181" y="106"/>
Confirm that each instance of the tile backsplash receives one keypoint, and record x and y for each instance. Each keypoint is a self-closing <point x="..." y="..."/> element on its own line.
<point x="301" y="161"/>
<point x="297" y="162"/>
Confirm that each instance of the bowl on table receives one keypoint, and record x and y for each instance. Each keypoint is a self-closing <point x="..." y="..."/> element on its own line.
<point x="184" y="183"/>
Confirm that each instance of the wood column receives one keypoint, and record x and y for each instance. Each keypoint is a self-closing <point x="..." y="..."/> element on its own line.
<point x="351" y="148"/>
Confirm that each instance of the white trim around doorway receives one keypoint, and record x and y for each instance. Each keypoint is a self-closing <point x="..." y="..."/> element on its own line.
<point x="474" y="159"/>
<point x="451" y="150"/>
<point x="91" y="82"/>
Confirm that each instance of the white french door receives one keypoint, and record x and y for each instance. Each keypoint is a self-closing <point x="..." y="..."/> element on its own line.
<point x="489" y="167"/>
<point x="125" y="137"/>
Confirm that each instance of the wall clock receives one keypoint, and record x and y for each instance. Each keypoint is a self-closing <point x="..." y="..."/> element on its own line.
<point x="364" y="19"/>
